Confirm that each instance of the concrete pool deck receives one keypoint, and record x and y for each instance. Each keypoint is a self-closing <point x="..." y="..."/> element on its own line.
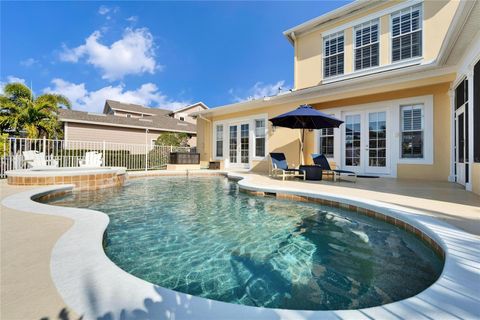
<point x="29" y="291"/>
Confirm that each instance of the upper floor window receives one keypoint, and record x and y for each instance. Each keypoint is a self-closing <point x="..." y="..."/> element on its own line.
<point x="407" y="33"/>
<point x="366" y="45"/>
<point x="182" y="119"/>
<point x="333" y="61"/>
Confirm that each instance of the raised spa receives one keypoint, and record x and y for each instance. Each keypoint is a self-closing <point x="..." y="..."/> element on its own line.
<point x="203" y="237"/>
<point x="83" y="178"/>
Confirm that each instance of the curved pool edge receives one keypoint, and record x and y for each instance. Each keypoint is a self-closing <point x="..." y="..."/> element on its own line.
<point x="93" y="286"/>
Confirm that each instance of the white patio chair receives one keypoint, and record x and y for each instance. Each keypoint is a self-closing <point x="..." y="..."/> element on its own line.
<point x="35" y="159"/>
<point x="92" y="159"/>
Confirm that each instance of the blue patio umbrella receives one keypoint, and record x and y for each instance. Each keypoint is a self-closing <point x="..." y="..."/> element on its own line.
<point x="305" y="117"/>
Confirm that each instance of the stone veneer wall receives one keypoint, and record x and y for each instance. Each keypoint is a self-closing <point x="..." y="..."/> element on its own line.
<point x="81" y="182"/>
<point x="370" y="213"/>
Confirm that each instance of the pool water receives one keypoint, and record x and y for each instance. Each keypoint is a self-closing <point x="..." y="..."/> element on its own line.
<point x="201" y="236"/>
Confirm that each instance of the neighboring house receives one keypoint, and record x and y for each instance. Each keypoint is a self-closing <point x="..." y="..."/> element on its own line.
<point x="125" y="123"/>
<point x="403" y="76"/>
<point x="185" y="113"/>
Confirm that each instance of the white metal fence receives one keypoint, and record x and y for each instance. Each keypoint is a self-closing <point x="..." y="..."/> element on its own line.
<point x="69" y="153"/>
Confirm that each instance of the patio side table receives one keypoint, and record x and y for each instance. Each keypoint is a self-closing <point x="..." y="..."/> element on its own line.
<point x="312" y="172"/>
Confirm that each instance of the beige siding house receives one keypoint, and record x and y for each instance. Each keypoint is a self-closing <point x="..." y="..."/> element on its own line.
<point x="185" y="113"/>
<point x="127" y="123"/>
<point x="403" y="76"/>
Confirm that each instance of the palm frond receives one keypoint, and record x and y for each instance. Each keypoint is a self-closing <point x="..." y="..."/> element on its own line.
<point x="16" y="90"/>
<point x="55" y="100"/>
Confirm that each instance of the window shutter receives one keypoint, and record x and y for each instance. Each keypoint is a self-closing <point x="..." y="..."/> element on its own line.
<point x="412" y="118"/>
<point x="417" y="119"/>
<point x="407" y="119"/>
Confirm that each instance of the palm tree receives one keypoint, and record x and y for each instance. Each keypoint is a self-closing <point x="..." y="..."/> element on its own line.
<point x="36" y="116"/>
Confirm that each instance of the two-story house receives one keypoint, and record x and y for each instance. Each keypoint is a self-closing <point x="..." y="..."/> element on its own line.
<point x="129" y="123"/>
<point x="403" y="76"/>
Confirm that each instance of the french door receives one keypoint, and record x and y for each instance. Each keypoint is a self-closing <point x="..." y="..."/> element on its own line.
<point x="366" y="142"/>
<point x="460" y="154"/>
<point x="238" y="145"/>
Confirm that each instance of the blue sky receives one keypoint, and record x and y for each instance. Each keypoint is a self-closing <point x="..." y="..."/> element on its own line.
<point x="160" y="54"/>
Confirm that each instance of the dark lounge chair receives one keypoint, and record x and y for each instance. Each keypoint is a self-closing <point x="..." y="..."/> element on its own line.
<point x="321" y="160"/>
<point x="280" y="166"/>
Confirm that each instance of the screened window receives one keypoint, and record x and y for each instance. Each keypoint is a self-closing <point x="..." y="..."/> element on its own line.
<point x="412" y="131"/>
<point x="461" y="99"/>
<point x="326" y="142"/>
<point x="219" y="141"/>
<point x="366" y="45"/>
<point x="407" y="33"/>
<point x="333" y="60"/>
<point x="260" y="138"/>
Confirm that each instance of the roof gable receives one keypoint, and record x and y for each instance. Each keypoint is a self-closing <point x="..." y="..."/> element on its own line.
<point x="133" y="108"/>
<point x="196" y="104"/>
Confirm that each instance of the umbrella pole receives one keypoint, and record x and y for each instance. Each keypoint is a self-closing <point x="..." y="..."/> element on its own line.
<point x="302" y="139"/>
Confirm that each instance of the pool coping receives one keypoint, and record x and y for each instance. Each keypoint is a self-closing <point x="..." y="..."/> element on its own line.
<point x="93" y="286"/>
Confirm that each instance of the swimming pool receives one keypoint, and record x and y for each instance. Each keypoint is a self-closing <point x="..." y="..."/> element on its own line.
<point x="201" y="236"/>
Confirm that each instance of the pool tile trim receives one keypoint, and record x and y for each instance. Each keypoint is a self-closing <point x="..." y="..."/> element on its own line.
<point x="431" y="243"/>
<point x="118" y="294"/>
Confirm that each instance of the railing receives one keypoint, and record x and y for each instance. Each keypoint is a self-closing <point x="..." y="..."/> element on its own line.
<point x="68" y="153"/>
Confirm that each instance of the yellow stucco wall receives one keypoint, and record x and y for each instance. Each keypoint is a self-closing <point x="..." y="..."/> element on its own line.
<point x="476" y="178"/>
<point x="282" y="140"/>
<point x="441" y="101"/>
<point x="287" y="140"/>
<point x="308" y="62"/>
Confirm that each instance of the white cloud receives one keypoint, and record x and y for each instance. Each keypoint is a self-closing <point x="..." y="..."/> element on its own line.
<point x="75" y="92"/>
<point x="82" y="99"/>
<point x="132" y="54"/>
<point x="103" y="10"/>
<point x="15" y="79"/>
<point x="258" y="91"/>
<point x="28" y="62"/>
<point x="132" y="19"/>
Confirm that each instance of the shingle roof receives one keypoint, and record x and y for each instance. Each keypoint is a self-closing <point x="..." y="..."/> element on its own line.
<point x="117" y="105"/>
<point x="157" y="122"/>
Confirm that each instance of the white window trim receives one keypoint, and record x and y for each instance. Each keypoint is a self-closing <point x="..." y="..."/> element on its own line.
<point x="376" y="15"/>
<point x="372" y="70"/>
<point x="215" y="157"/>
<point x="371" y="22"/>
<point x="422" y="125"/>
<point x="380" y="68"/>
<point x="421" y="29"/>
<point x="254" y="155"/>
<point x="251" y="121"/>
<point x="320" y="135"/>
<point x="393" y="107"/>
<point x="324" y="39"/>
<point x="317" y="135"/>
<point x="428" y="147"/>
